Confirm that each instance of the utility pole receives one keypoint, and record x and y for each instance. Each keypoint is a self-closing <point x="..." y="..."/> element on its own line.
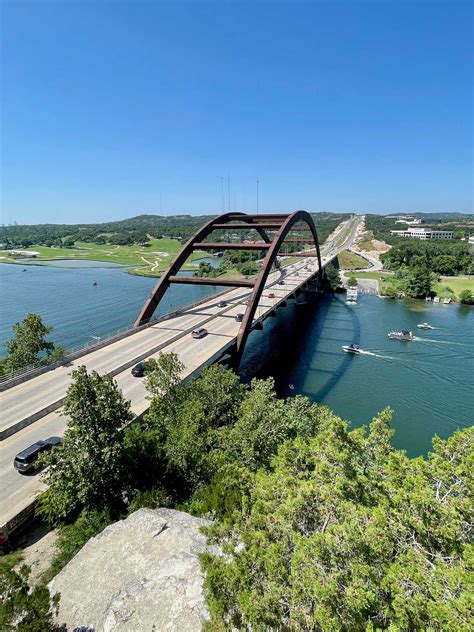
<point x="228" y="192"/>
<point x="222" y="190"/>
<point x="257" y="197"/>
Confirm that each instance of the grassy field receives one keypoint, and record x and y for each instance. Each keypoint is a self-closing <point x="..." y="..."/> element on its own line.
<point x="455" y="284"/>
<point x="146" y="260"/>
<point x="351" y="261"/>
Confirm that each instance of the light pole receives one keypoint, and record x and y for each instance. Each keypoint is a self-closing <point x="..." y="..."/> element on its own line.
<point x="257" y="197"/>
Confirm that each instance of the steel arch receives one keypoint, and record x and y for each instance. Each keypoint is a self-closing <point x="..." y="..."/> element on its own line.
<point x="246" y="326"/>
<point x="283" y="224"/>
<point x="163" y="284"/>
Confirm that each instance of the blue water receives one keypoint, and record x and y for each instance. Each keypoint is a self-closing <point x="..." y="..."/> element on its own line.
<point x="427" y="382"/>
<point x="76" y="263"/>
<point x="78" y="310"/>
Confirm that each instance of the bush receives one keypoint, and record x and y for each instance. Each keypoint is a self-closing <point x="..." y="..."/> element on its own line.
<point x="466" y="297"/>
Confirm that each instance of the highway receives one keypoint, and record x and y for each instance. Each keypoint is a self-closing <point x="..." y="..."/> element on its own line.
<point x="171" y="335"/>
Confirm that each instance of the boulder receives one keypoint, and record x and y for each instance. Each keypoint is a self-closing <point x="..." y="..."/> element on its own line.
<point x="141" y="573"/>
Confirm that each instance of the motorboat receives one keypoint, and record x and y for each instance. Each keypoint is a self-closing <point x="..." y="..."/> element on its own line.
<point x="401" y="335"/>
<point x="425" y="326"/>
<point x="351" y="348"/>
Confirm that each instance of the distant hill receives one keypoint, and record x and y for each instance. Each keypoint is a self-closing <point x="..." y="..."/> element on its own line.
<point x="441" y="217"/>
<point x="136" y="229"/>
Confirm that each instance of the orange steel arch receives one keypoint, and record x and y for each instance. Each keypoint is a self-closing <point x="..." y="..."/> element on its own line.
<point x="287" y="225"/>
<point x="281" y="224"/>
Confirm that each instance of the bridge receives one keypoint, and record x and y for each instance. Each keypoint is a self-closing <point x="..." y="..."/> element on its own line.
<point x="31" y="410"/>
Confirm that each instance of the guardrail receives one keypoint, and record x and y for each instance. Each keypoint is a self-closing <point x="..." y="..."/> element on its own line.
<point x="21" y="375"/>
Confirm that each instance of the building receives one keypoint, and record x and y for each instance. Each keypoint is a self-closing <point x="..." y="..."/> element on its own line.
<point x="423" y="233"/>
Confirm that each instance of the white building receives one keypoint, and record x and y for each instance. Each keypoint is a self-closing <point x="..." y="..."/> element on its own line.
<point x="423" y="233"/>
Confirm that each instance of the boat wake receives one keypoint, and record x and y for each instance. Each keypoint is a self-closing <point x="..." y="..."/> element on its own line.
<point x="441" y="342"/>
<point x="376" y="355"/>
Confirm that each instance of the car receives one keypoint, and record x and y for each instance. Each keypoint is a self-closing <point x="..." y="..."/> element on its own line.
<point x="139" y="370"/>
<point x="26" y="459"/>
<point x="281" y="282"/>
<point x="297" y="274"/>
<point x="222" y="304"/>
<point x="271" y="295"/>
<point x="239" y="318"/>
<point x="200" y="332"/>
<point x="247" y="301"/>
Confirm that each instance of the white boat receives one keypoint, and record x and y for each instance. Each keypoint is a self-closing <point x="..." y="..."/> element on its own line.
<point x="400" y="335"/>
<point x="425" y="326"/>
<point x="351" y="348"/>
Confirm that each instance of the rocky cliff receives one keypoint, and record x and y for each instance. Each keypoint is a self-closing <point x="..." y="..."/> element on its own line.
<point x="142" y="573"/>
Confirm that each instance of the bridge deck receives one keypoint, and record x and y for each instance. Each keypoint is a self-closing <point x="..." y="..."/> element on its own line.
<point x="173" y="334"/>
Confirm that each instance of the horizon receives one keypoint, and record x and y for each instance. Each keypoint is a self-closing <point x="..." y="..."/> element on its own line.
<point x="176" y="106"/>
<point x="431" y="214"/>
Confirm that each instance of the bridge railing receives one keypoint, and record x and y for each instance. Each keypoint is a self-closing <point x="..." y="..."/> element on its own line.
<point x="18" y="376"/>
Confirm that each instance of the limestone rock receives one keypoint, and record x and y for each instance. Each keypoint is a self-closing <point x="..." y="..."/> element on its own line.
<point x="142" y="573"/>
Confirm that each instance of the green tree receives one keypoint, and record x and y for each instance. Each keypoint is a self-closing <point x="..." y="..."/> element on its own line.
<point x="418" y="284"/>
<point x="445" y="264"/>
<point x="352" y="281"/>
<point x="346" y="533"/>
<point x="29" y="346"/>
<point x="23" y="609"/>
<point x="88" y="469"/>
<point x="69" y="242"/>
<point x="466" y="297"/>
<point x="204" y="270"/>
<point x="248" y="268"/>
<point x="332" y="278"/>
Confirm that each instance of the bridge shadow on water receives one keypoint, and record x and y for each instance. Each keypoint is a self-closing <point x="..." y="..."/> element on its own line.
<point x="291" y="344"/>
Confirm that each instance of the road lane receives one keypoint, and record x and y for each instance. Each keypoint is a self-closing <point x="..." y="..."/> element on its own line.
<point x="17" y="490"/>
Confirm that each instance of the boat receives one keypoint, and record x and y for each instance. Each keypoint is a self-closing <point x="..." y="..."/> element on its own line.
<point x="425" y="326"/>
<point x="401" y="335"/>
<point x="351" y="348"/>
<point x="95" y="283"/>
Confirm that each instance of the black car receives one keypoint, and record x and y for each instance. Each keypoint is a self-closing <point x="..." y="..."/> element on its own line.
<point x="222" y="304"/>
<point x="26" y="459"/>
<point x="239" y="318"/>
<point x="139" y="370"/>
<point x="281" y="282"/>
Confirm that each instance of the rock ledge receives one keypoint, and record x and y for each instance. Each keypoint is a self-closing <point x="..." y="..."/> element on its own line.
<point x="141" y="573"/>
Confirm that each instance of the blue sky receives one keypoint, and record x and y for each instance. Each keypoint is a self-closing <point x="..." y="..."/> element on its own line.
<point x="111" y="109"/>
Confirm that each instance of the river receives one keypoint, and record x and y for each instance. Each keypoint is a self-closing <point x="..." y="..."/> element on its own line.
<point x="427" y="382"/>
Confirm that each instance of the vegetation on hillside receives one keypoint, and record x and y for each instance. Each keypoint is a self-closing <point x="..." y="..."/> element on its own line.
<point x="442" y="257"/>
<point x="135" y="230"/>
<point x="323" y="527"/>
<point x="24" y="609"/>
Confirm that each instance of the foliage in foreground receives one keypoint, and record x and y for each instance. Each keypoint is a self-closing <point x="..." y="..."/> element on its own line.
<point x="323" y="529"/>
<point x="345" y="533"/>
<point x="22" y="609"/>
<point x="88" y="469"/>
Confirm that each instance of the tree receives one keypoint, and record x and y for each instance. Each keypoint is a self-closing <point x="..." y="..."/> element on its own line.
<point x="23" y="609"/>
<point x="29" y="346"/>
<point x="69" y="242"/>
<point x="204" y="269"/>
<point x="352" y="281"/>
<point x="332" y="278"/>
<point x="466" y="297"/>
<point x="88" y="469"/>
<point x="248" y="268"/>
<point x="445" y="264"/>
<point x="418" y="284"/>
<point x="344" y="532"/>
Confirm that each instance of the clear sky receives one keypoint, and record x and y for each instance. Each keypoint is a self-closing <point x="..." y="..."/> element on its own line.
<point x="110" y="109"/>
